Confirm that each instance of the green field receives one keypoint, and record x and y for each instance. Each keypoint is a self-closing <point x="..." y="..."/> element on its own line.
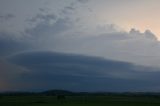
<point x="79" y="101"/>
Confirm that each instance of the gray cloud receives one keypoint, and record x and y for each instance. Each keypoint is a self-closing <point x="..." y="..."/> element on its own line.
<point x="64" y="35"/>
<point x="132" y="46"/>
<point x="46" y="33"/>
<point x="83" y="1"/>
<point x="34" y="37"/>
<point x="50" y="70"/>
<point x="147" y="34"/>
<point x="150" y="35"/>
<point x="72" y="28"/>
<point x="6" y="17"/>
<point x="9" y="43"/>
<point x="46" y="28"/>
<point x="43" y="17"/>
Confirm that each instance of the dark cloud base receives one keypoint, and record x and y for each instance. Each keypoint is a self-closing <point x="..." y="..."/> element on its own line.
<point x="51" y="70"/>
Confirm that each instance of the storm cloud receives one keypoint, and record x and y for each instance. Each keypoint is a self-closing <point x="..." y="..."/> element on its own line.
<point x="76" y="45"/>
<point x="52" y="70"/>
<point x="64" y="36"/>
<point x="6" y="17"/>
<point x="9" y="43"/>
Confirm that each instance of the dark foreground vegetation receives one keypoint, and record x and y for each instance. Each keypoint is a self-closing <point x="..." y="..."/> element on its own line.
<point x="66" y="98"/>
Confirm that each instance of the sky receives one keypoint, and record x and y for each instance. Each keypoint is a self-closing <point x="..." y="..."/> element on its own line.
<point x="77" y="44"/>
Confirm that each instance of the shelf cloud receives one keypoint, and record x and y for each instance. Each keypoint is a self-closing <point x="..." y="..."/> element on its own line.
<point x="78" y="44"/>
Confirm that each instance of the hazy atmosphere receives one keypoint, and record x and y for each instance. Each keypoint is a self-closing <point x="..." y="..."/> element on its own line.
<point x="80" y="45"/>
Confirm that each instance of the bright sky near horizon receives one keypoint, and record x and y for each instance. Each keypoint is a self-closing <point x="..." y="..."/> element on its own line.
<point x="139" y="14"/>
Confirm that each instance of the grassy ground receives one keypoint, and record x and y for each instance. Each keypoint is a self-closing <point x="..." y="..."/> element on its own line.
<point x="79" y="101"/>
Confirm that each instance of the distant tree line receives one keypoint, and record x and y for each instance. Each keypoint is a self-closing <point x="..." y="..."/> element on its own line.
<point x="62" y="93"/>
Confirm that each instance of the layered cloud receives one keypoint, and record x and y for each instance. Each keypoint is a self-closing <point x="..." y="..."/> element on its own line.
<point x="64" y="35"/>
<point x="10" y="43"/>
<point x="109" y="42"/>
<point x="103" y="55"/>
<point x="52" y="70"/>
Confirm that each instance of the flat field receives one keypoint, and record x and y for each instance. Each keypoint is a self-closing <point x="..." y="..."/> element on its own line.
<point x="79" y="101"/>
